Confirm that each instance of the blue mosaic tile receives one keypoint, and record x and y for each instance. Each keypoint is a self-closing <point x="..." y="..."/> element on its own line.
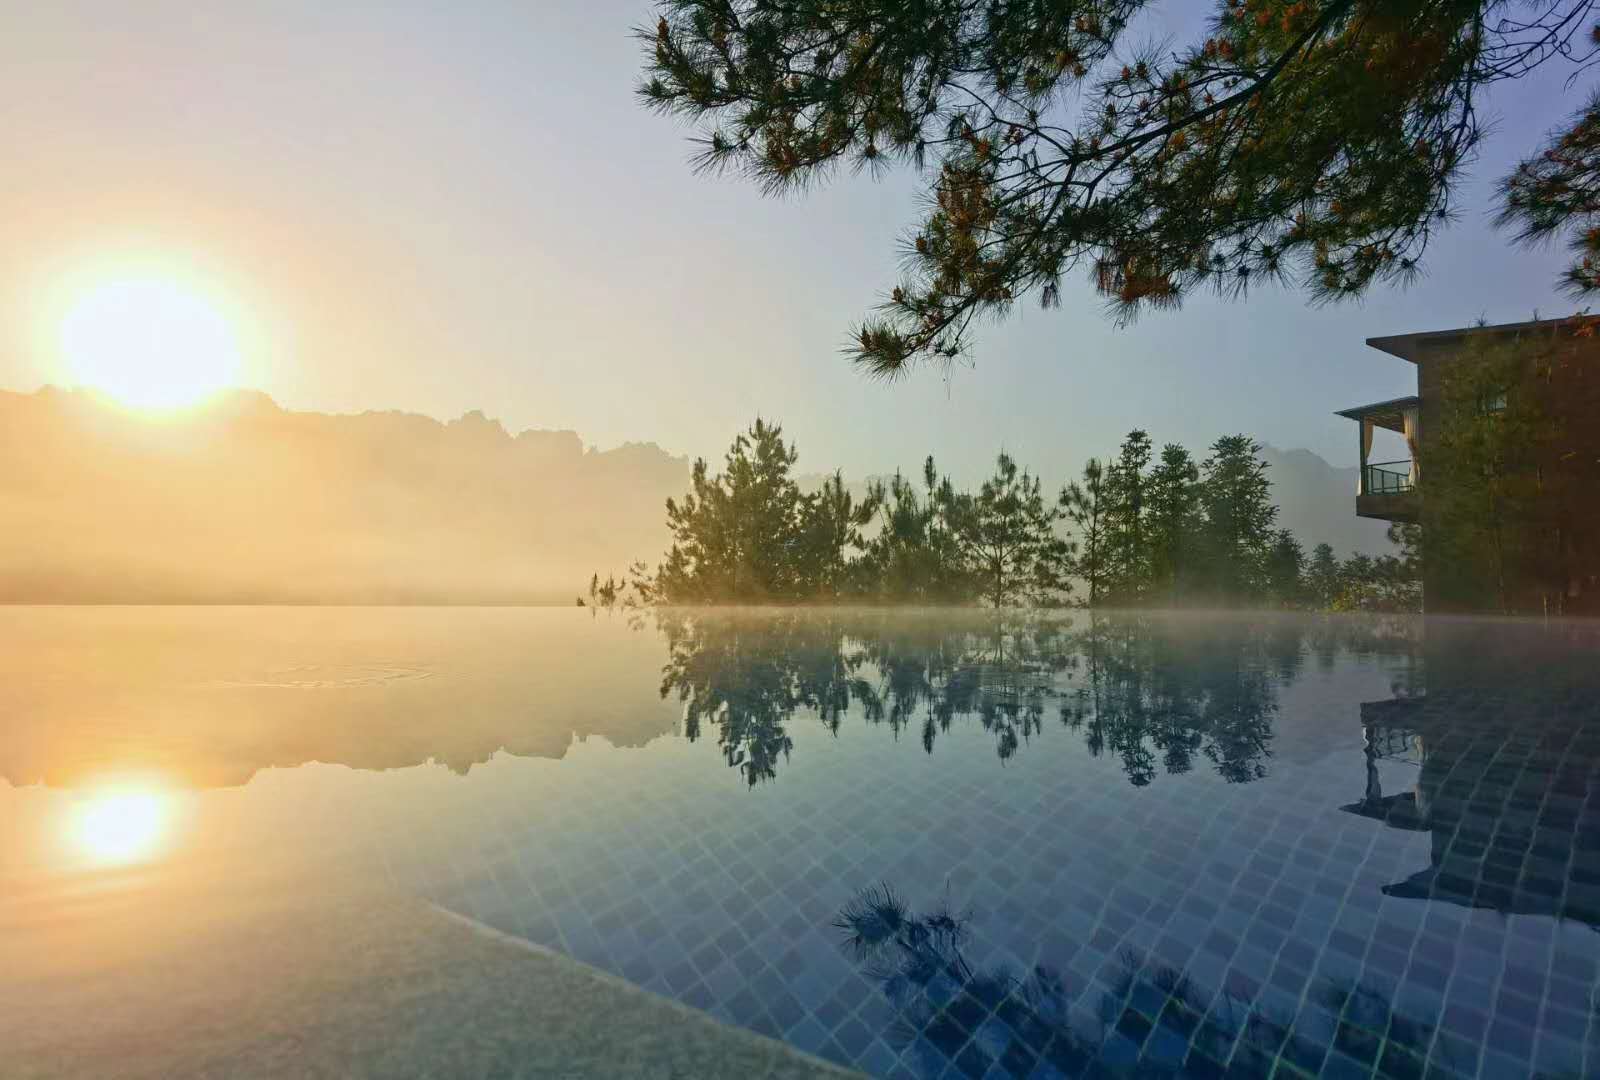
<point x="1202" y="859"/>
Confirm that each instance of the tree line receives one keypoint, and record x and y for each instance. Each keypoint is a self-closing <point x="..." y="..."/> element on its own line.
<point x="1140" y="528"/>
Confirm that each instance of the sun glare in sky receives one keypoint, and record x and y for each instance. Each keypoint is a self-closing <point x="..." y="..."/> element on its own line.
<point x="149" y="342"/>
<point x="120" y="825"/>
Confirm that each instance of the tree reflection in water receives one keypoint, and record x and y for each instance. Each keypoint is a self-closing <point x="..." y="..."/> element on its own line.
<point x="1159" y="693"/>
<point x="1004" y="672"/>
<point x="748" y="673"/>
<point x="1150" y="693"/>
<point x="1146" y="1019"/>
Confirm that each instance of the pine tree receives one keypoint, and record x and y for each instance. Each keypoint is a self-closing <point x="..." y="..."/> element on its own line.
<point x="1128" y="545"/>
<point x="831" y="527"/>
<point x="735" y="536"/>
<point x="1086" y="506"/>
<point x="1007" y="534"/>
<point x="1322" y="576"/>
<point x="1387" y="583"/>
<point x="1285" y="566"/>
<point x="1319" y="143"/>
<point x="1235" y="499"/>
<point x="913" y="556"/>
<point x="1172" y="515"/>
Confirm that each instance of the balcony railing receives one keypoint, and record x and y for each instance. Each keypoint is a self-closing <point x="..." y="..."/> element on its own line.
<point x="1387" y="478"/>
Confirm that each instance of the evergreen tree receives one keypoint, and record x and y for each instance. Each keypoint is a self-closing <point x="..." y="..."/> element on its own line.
<point x="832" y="522"/>
<point x="1358" y="579"/>
<point x="1128" y="545"/>
<point x="913" y="555"/>
<point x="1007" y="536"/>
<point x="1383" y="584"/>
<point x="1407" y="537"/>
<point x="735" y="536"/>
<point x="1086" y="505"/>
<point x="1318" y="142"/>
<point x="1285" y="565"/>
<point x="1322" y="576"/>
<point x="952" y="578"/>
<point x="894" y="566"/>
<point x="1235" y="499"/>
<point x="605" y="594"/>
<point x="1172" y="521"/>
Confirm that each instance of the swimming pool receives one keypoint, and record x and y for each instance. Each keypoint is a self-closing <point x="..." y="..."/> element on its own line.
<point x="912" y="843"/>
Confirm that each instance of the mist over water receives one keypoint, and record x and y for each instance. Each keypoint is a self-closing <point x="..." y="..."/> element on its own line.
<point x="696" y="801"/>
<point x="239" y="501"/>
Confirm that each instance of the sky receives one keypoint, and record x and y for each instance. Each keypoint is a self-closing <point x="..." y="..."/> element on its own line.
<point x="440" y="208"/>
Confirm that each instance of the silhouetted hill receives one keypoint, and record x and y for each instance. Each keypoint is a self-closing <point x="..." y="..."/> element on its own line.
<point x="243" y="501"/>
<point x="1317" y="501"/>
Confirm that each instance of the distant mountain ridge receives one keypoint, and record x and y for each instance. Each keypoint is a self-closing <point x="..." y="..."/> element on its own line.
<point x="243" y="501"/>
<point x="1317" y="502"/>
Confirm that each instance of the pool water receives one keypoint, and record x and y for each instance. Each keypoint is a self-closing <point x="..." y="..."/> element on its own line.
<point x="919" y="844"/>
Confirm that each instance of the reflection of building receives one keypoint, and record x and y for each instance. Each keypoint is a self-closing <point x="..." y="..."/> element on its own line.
<point x="1503" y="799"/>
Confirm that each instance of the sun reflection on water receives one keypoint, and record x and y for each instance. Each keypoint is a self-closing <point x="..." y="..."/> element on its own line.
<point x="121" y="824"/>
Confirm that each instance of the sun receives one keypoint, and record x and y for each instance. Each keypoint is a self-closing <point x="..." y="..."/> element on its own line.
<point x="149" y="342"/>
<point x="121" y="825"/>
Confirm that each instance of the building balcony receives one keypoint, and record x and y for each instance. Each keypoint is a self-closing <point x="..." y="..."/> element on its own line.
<point x="1387" y="490"/>
<point x="1389" y="478"/>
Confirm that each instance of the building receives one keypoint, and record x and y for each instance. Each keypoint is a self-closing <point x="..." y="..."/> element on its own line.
<point x="1557" y="551"/>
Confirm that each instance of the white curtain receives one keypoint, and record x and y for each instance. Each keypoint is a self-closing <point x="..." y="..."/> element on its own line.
<point x="1366" y="452"/>
<point x="1410" y="416"/>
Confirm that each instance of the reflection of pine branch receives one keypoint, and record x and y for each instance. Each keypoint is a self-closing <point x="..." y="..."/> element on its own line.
<point x="917" y="961"/>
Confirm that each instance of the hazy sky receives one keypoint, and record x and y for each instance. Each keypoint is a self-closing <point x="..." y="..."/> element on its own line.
<point x="439" y="208"/>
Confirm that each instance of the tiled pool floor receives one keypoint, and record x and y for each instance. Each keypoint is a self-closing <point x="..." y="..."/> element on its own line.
<point x="1256" y="873"/>
<point x="934" y="846"/>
